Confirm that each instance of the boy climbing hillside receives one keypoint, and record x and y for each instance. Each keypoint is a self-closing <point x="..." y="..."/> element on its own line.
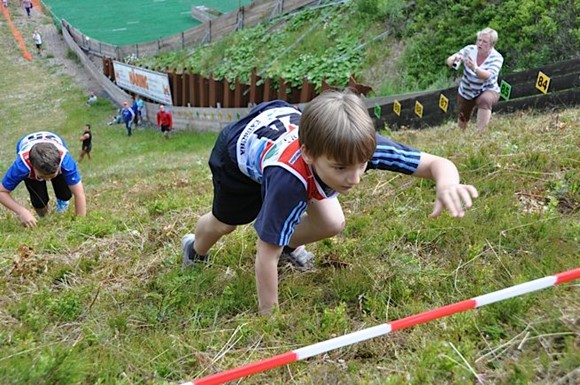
<point x="284" y="169"/>
<point x="41" y="157"/>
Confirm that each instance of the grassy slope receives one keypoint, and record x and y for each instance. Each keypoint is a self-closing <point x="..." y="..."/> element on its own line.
<point x="102" y="300"/>
<point x="123" y="22"/>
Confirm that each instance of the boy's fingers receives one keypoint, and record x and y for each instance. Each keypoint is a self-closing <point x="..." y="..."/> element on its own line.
<point x="454" y="200"/>
<point x="29" y="224"/>
<point x="472" y="190"/>
<point x="436" y="209"/>
<point x="466" y="198"/>
<point x="453" y="204"/>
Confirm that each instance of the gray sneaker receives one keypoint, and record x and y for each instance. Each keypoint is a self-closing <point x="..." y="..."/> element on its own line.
<point x="300" y="258"/>
<point x="189" y="256"/>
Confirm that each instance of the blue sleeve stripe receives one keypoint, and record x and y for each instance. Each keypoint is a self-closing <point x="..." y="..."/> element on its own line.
<point x="396" y="158"/>
<point x="398" y="150"/>
<point x="390" y="152"/>
<point x="291" y="222"/>
<point x="403" y="162"/>
<point x="402" y="166"/>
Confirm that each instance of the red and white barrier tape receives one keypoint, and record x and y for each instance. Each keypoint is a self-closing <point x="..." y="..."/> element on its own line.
<point x="379" y="330"/>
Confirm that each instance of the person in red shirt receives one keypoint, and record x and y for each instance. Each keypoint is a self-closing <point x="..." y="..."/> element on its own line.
<point x="164" y="121"/>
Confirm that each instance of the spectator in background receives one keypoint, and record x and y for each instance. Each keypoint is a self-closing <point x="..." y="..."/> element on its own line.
<point x="478" y="87"/>
<point x="27" y="6"/>
<point x="92" y="99"/>
<point x="87" y="140"/>
<point x="164" y="121"/>
<point x="116" y="119"/>
<point x="41" y="157"/>
<point x="37" y="41"/>
<point x="135" y="108"/>
<point x="140" y="107"/>
<point x="128" y="116"/>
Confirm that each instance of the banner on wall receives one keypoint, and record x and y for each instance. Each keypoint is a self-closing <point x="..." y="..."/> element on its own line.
<point x="150" y="84"/>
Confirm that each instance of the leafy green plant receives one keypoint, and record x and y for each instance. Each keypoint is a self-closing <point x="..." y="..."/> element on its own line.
<point x="332" y="42"/>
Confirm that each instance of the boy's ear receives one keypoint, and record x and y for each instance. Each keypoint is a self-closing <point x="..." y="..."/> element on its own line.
<point x="306" y="155"/>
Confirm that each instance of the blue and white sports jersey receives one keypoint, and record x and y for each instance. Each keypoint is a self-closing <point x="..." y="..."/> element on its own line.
<point x="265" y="147"/>
<point x="22" y="169"/>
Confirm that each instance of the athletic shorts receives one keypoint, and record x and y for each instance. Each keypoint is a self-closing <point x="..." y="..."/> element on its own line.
<point x="484" y="101"/>
<point x="237" y="199"/>
<point x="39" y="193"/>
<point x="165" y="128"/>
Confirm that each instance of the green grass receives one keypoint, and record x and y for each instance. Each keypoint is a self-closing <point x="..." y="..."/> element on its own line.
<point x="102" y="299"/>
<point x="124" y="22"/>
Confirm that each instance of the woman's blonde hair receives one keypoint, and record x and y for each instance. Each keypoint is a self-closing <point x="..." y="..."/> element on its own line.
<point x="336" y="124"/>
<point x="492" y="35"/>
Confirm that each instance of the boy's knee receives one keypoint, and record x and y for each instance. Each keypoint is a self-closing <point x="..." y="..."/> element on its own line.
<point x="219" y="226"/>
<point x="335" y="227"/>
<point x="41" y="211"/>
<point x="226" y="229"/>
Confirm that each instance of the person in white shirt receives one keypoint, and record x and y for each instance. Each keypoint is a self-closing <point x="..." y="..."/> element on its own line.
<point x="478" y="87"/>
<point x="37" y="41"/>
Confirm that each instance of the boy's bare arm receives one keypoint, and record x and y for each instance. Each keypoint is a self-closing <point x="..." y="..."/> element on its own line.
<point x="80" y="200"/>
<point x="267" y="275"/>
<point x="451" y="195"/>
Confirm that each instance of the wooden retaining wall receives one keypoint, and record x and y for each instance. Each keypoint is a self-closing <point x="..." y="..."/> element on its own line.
<point x="563" y="91"/>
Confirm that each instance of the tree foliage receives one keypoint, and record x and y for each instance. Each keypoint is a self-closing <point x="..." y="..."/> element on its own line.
<point x="531" y="33"/>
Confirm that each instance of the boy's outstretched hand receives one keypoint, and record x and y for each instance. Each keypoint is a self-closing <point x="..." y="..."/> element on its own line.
<point x="455" y="198"/>
<point x="451" y="195"/>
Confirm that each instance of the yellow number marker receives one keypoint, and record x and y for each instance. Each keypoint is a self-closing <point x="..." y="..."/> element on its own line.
<point x="543" y="82"/>
<point x="397" y="107"/>
<point x="418" y="109"/>
<point x="443" y="102"/>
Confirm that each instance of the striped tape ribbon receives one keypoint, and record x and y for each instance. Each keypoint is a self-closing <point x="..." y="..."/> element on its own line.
<point x="379" y="330"/>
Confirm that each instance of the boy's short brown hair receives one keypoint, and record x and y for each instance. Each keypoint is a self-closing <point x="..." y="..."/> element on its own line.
<point x="45" y="158"/>
<point x="336" y="124"/>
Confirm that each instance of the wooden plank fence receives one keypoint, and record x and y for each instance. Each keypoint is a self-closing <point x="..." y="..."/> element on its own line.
<point x="194" y="90"/>
<point x="563" y="91"/>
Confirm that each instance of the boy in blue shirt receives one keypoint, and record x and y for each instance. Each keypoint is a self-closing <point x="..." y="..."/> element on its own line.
<point x="41" y="157"/>
<point x="128" y="116"/>
<point x="284" y="169"/>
